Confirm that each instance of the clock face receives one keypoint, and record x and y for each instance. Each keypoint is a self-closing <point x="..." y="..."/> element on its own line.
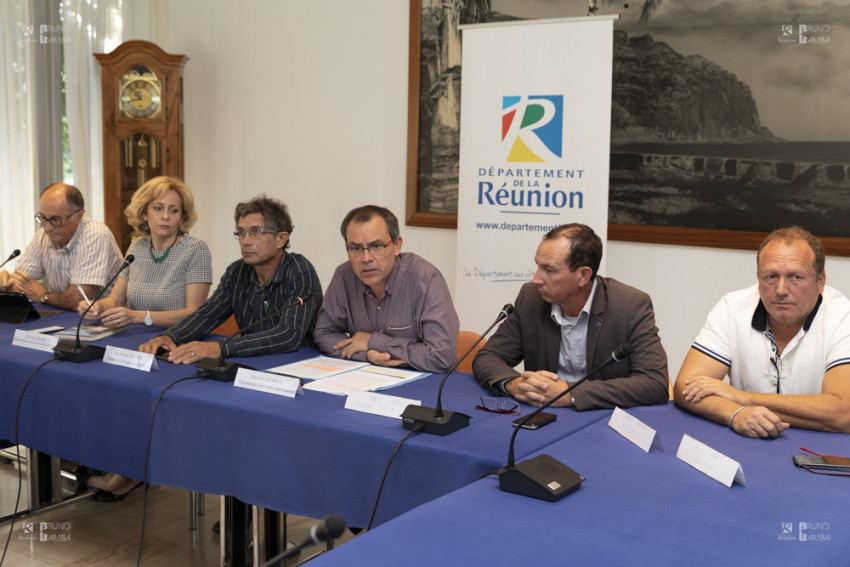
<point x="140" y="98"/>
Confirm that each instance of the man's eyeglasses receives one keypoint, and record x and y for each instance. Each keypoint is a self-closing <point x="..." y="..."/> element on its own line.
<point x="255" y="232"/>
<point x="494" y="405"/>
<point x="55" y="222"/>
<point x="372" y="248"/>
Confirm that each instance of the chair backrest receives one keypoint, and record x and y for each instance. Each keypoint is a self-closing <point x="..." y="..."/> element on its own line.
<point x="227" y="328"/>
<point x="464" y="341"/>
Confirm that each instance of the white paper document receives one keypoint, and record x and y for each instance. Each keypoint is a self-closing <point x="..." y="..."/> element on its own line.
<point x="369" y="378"/>
<point x="634" y="430"/>
<point x="287" y="386"/>
<point x="130" y="358"/>
<point x="710" y="462"/>
<point x="37" y="341"/>
<point x="339" y="376"/>
<point x="317" y="367"/>
<point x="378" y="404"/>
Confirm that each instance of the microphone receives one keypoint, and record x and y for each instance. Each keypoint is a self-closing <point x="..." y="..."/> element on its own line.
<point x="14" y="255"/>
<point x="225" y="371"/>
<point x="74" y="351"/>
<point x="329" y="528"/>
<point x="434" y="420"/>
<point x="544" y="477"/>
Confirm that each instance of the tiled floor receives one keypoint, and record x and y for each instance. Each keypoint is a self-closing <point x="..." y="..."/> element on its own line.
<point x="97" y="534"/>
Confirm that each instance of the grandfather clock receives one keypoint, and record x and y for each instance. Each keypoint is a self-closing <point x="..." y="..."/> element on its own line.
<point x="142" y="124"/>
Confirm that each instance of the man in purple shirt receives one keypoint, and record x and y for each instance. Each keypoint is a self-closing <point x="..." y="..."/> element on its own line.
<point x="385" y="307"/>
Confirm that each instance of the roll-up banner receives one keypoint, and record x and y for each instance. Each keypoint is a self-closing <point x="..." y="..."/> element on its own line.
<point x="534" y="148"/>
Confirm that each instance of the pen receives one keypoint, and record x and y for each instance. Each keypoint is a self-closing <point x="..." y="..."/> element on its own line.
<point x="79" y="287"/>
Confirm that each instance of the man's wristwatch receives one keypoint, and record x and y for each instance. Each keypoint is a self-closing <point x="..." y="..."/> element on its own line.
<point x="148" y="319"/>
<point x="43" y="298"/>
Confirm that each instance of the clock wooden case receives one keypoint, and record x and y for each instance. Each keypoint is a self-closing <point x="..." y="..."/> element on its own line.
<point x="142" y="124"/>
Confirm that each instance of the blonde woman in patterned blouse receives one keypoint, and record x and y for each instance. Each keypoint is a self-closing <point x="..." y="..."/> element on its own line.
<point x="171" y="275"/>
<point x="169" y="279"/>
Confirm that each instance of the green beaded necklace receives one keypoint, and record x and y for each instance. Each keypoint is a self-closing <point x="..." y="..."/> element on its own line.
<point x="162" y="258"/>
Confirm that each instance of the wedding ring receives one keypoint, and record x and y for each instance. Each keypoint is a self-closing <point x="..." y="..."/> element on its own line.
<point x="192" y="353"/>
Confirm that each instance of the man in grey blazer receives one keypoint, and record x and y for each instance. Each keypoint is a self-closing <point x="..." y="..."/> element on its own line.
<point x="566" y="322"/>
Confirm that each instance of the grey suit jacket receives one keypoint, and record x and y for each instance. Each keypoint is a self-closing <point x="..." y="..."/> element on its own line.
<point x="618" y="314"/>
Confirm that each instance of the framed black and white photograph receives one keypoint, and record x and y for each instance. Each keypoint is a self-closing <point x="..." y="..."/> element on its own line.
<point x="728" y="119"/>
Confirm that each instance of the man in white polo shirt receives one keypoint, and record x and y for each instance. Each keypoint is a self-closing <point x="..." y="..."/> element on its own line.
<point x="66" y="251"/>
<point x="784" y="343"/>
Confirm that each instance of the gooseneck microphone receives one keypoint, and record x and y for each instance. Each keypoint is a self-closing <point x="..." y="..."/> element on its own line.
<point x="14" y="255"/>
<point x="544" y="477"/>
<point x="225" y="371"/>
<point x="74" y="351"/>
<point x="434" y="420"/>
<point x="329" y="528"/>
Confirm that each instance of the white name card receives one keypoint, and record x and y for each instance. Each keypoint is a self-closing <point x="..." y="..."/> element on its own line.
<point x="267" y="382"/>
<point x="37" y="341"/>
<point x="144" y="361"/>
<point x="378" y="404"/>
<point x="710" y="462"/>
<point x="634" y="430"/>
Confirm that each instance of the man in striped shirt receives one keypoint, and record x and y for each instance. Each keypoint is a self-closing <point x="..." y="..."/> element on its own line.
<point x="263" y="282"/>
<point x="67" y="251"/>
<point x="784" y="344"/>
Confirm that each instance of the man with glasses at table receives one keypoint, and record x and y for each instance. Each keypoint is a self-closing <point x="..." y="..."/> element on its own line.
<point x="264" y="281"/>
<point x="784" y="343"/>
<point x="68" y="251"/>
<point x="383" y="306"/>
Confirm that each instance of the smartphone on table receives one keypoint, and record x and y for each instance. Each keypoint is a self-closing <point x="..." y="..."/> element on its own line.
<point x="537" y="421"/>
<point x="823" y="462"/>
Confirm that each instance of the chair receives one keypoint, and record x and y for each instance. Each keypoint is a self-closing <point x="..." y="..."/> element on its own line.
<point x="464" y="341"/>
<point x="227" y="328"/>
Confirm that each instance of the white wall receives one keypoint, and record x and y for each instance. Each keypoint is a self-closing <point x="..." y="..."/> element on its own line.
<point x="307" y="101"/>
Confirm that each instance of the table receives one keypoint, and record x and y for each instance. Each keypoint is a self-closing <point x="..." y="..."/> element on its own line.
<point x="635" y="508"/>
<point x="308" y="456"/>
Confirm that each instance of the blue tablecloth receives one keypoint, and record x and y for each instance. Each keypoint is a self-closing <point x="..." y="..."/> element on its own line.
<point x="307" y="455"/>
<point x="635" y="508"/>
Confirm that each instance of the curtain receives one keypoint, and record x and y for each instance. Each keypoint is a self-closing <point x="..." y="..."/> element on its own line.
<point x="90" y="28"/>
<point x="18" y="170"/>
<point x="34" y="46"/>
<point x="98" y="27"/>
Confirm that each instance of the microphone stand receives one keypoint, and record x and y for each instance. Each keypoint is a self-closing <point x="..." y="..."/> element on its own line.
<point x="544" y="477"/>
<point x="76" y="352"/>
<point x="14" y="255"/>
<point x="435" y="420"/>
<point x="225" y="371"/>
<point x="328" y="529"/>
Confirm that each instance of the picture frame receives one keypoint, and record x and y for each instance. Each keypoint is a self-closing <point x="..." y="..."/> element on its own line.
<point x="416" y="214"/>
<point x="744" y="230"/>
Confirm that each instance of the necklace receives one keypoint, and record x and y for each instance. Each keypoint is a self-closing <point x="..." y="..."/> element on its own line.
<point x="161" y="259"/>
